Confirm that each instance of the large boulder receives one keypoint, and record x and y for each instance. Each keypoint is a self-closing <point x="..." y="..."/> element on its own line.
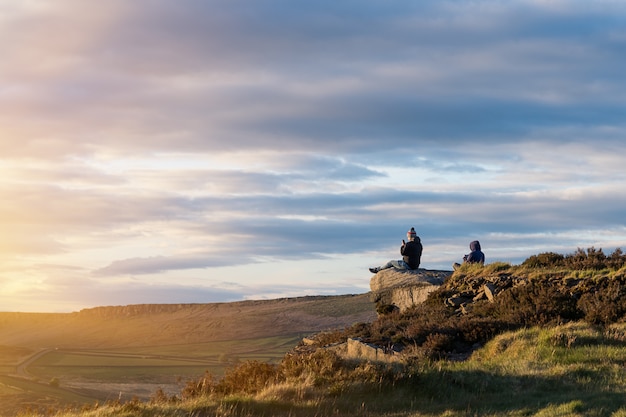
<point x="394" y="289"/>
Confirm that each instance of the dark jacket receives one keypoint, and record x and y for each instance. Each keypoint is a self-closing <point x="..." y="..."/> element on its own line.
<point x="412" y="253"/>
<point x="475" y="256"/>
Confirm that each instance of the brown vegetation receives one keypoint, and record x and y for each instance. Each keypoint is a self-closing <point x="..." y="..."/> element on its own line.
<point x="543" y="291"/>
<point x="546" y="289"/>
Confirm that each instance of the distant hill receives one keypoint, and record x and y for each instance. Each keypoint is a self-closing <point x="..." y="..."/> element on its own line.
<point x="163" y="324"/>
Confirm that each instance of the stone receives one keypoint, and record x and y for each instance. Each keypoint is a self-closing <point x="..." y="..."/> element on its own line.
<point x="457" y="301"/>
<point x="401" y="290"/>
<point x="357" y="349"/>
<point x="481" y="295"/>
<point x="490" y="291"/>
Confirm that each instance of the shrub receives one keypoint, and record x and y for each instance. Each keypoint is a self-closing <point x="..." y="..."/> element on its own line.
<point x="606" y="303"/>
<point x="539" y="302"/>
<point x="437" y="345"/>
<point x="616" y="260"/>
<point x="581" y="259"/>
<point x="161" y="397"/>
<point x="476" y="329"/>
<point x="200" y="387"/>
<point x="248" y="377"/>
<point x="425" y="319"/>
<point x="329" y="338"/>
<point x="591" y="259"/>
<point x="322" y="364"/>
<point x="544" y="260"/>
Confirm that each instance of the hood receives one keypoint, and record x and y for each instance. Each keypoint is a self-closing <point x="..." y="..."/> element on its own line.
<point x="475" y="246"/>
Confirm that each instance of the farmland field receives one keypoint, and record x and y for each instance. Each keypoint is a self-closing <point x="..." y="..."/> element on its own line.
<point x="111" y="353"/>
<point x="87" y="376"/>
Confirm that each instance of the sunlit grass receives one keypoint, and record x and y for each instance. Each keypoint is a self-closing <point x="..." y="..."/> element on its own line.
<point x="568" y="370"/>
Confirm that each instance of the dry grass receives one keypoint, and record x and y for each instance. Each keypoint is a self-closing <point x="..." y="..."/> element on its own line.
<point x="570" y="370"/>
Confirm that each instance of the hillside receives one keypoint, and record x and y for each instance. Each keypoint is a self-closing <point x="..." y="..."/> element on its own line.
<point x="165" y="324"/>
<point x="545" y="338"/>
<point x="132" y="351"/>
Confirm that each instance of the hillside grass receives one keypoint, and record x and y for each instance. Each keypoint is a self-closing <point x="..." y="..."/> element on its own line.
<point x="569" y="370"/>
<point x="182" y="324"/>
<point x="87" y="376"/>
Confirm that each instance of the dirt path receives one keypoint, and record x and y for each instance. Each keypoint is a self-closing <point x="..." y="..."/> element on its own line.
<point x="21" y="368"/>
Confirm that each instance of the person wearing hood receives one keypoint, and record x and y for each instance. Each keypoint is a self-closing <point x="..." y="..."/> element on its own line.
<point x="476" y="256"/>
<point x="411" y="252"/>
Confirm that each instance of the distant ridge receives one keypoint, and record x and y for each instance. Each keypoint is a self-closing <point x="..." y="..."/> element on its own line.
<point x="142" y="309"/>
<point x="163" y="324"/>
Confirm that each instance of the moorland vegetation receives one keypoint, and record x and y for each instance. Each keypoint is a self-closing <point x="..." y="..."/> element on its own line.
<point x="551" y="343"/>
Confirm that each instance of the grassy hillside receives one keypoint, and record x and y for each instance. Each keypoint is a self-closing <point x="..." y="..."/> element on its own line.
<point x="117" y="353"/>
<point x="567" y="370"/>
<point x="166" y="324"/>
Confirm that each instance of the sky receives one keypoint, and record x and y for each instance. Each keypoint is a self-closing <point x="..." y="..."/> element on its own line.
<point x="199" y="151"/>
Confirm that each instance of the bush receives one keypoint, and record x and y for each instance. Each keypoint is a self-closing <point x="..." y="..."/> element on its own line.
<point x="437" y="345"/>
<point x="606" y="303"/>
<point x="545" y="260"/>
<point x="581" y="259"/>
<point x="526" y="297"/>
<point x="321" y="364"/>
<point x="200" y="387"/>
<point x="539" y="302"/>
<point x="591" y="259"/>
<point x="248" y="377"/>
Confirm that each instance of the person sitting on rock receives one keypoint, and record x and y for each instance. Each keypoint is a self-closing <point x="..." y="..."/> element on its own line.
<point x="411" y="252"/>
<point x="476" y="256"/>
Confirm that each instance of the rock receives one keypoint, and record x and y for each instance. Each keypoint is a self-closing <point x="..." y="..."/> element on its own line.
<point x="457" y="301"/>
<point x="308" y="342"/>
<point x="393" y="277"/>
<point x="490" y="291"/>
<point x="481" y="295"/>
<point x="395" y="289"/>
<point x="357" y="349"/>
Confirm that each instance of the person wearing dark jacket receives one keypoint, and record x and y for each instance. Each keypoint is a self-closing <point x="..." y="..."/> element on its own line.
<point x="411" y="252"/>
<point x="476" y="256"/>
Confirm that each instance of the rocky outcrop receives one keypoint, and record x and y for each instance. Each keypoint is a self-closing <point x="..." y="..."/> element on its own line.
<point x="464" y="290"/>
<point x="355" y="348"/>
<point x="393" y="289"/>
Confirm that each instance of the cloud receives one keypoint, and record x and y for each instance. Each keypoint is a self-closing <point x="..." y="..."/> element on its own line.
<point x="149" y="139"/>
<point x="156" y="264"/>
<point x="229" y="78"/>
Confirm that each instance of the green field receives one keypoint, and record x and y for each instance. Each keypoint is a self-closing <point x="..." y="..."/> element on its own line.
<point x="570" y="370"/>
<point x="266" y="349"/>
<point x="87" y="376"/>
<point x="121" y="352"/>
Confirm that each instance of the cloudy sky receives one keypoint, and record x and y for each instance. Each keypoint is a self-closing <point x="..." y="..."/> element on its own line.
<point x="157" y="151"/>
